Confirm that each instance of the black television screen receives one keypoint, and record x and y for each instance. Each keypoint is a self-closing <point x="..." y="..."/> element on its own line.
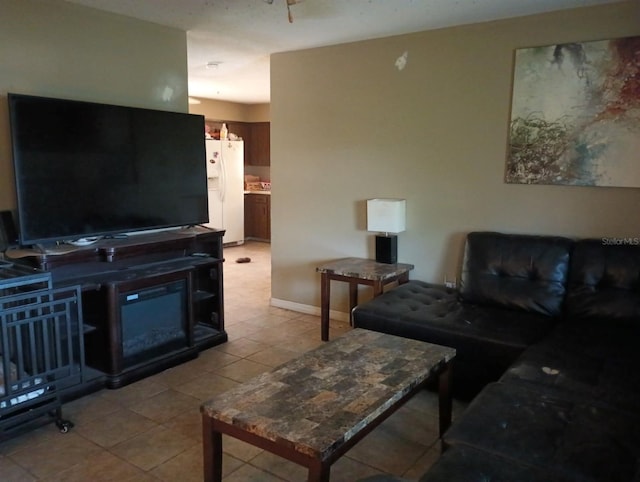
<point x="84" y="169"/>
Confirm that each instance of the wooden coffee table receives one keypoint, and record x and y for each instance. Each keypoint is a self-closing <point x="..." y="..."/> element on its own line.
<point x="313" y="409"/>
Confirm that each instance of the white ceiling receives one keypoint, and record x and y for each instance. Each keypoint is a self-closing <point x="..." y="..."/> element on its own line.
<point x="240" y="34"/>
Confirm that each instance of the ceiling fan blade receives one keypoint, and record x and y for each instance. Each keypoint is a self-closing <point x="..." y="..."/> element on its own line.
<point x="289" y="3"/>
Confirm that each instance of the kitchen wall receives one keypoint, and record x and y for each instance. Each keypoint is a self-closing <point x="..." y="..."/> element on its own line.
<point x="233" y="111"/>
<point x="230" y="111"/>
<point x="347" y="125"/>
<point x="58" y="49"/>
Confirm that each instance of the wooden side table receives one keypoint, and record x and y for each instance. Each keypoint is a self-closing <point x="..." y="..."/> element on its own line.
<point x="356" y="271"/>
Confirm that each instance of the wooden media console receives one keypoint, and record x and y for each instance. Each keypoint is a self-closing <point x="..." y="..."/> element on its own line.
<point x="149" y="301"/>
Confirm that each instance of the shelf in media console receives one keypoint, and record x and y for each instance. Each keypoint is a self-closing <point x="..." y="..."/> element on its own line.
<point x="173" y="243"/>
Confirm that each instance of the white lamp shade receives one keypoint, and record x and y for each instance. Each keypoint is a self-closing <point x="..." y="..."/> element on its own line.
<point x="386" y="215"/>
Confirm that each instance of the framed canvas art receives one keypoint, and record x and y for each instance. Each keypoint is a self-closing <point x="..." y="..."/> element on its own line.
<point x="575" y="114"/>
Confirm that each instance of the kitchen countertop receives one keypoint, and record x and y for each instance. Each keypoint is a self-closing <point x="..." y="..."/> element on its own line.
<point x="258" y="192"/>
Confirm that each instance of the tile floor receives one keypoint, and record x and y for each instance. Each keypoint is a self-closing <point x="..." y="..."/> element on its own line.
<point x="150" y="430"/>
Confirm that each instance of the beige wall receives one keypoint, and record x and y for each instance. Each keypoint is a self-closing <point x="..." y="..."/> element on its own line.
<point x="230" y="111"/>
<point x="260" y="112"/>
<point x="57" y="49"/>
<point x="346" y="125"/>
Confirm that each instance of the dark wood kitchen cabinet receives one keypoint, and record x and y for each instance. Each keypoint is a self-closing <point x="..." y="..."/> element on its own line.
<point x="256" y="137"/>
<point x="241" y="129"/>
<point x="258" y="152"/>
<point x="257" y="216"/>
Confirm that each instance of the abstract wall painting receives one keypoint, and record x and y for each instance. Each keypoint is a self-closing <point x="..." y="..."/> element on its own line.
<point x="575" y="114"/>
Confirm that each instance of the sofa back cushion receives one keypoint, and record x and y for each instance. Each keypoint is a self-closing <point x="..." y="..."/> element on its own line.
<point x="516" y="271"/>
<point x="604" y="282"/>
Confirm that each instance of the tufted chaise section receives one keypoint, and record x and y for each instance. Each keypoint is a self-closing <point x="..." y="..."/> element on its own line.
<point x="488" y="328"/>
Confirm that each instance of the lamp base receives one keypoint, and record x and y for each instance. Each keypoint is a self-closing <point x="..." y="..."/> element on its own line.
<point x="387" y="248"/>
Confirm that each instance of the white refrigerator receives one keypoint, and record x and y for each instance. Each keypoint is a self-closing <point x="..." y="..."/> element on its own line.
<point x="225" y="183"/>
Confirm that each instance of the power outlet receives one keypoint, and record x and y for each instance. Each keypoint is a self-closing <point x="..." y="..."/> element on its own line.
<point x="450" y="283"/>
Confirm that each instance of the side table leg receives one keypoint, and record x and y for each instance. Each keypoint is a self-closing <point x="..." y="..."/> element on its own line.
<point x="444" y="399"/>
<point x="353" y="299"/>
<point x="325" y="294"/>
<point x="378" y="288"/>
<point x="212" y="451"/>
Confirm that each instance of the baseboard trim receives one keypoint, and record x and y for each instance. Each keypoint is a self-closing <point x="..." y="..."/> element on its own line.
<point x="308" y="309"/>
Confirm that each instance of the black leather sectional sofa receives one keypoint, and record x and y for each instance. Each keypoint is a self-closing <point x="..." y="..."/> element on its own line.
<point x="547" y="332"/>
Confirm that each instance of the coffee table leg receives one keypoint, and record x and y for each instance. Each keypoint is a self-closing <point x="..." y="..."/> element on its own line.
<point x="325" y="294"/>
<point x="319" y="472"/>
<point x="444" y="399"/>
<point x="212" y="451"/>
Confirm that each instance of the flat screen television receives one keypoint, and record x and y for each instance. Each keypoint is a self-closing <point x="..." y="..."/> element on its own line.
<point x="85" y="169"/>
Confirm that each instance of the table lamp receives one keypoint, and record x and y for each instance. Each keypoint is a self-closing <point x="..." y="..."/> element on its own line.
<point x="387" y="217"/>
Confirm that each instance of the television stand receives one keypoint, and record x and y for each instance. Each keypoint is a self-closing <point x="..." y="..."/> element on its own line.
<point x="149" y="301"/>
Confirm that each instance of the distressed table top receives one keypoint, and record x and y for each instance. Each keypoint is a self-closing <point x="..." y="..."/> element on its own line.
<point x="315" y="403"/>
<point x="364" y="268"/>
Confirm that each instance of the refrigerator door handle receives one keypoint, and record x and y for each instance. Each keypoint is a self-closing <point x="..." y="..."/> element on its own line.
<point x="222" y="189"/>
